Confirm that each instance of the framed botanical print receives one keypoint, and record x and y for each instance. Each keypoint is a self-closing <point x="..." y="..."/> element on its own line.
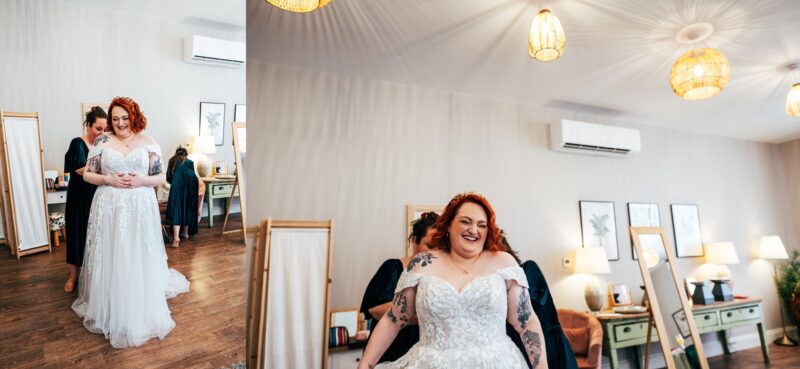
<point x="642" y="215"/>
<point x="212" y="121"/>
<point x="686" y="225"/>
<point x="599" y="226"/>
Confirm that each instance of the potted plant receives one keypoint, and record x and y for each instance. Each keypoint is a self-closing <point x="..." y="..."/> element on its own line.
<point x="789" y="286"/>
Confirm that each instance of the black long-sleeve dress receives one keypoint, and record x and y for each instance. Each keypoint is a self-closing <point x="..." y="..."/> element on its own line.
<point x="559" y="353"/>
<point x="380" y="290"/>
<point x="183" y="196"/>
<point x="79" y="201"/>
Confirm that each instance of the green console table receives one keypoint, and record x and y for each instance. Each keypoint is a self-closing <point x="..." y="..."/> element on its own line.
<point x="217" y="189"/>
<point x="630" y="330"/>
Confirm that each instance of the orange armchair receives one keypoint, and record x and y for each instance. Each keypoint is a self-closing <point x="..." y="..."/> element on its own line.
<point x="585" y="336"/>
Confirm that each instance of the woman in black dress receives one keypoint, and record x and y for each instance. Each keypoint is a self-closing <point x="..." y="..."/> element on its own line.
<point x="183" y="199"/>
<point x="559" y="353"/>
<point x="79" y="192"/>
<point x="380" y="290"/>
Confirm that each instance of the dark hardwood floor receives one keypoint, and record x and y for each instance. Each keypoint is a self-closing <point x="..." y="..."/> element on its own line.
<point x="38" y="329"/>
<point x="780" y="358"/>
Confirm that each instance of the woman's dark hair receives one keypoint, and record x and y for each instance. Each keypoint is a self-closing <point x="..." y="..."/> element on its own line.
<point x="419" y="227"/>
<point x="175" y="161"/>
<point x="92" y="116"/>
<point x="508" y="247"/>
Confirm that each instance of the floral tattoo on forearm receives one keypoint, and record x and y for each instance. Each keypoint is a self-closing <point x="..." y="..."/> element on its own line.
<point x="533" y="344"/>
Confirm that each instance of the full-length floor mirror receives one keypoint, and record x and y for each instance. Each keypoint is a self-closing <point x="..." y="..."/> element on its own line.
<point x="669" y="307"/>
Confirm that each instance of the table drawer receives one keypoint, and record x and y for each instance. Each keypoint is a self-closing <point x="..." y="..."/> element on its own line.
<point x="218" y="190"/>
<point x="740" y="314"/>
<point x="626" y="332"/>
<point x="57" y="197"/>
<point x="704" y="320"/>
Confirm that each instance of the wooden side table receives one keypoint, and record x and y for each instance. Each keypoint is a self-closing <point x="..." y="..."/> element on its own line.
<point x="217" y="189"/>
<point x="630" y="330"/>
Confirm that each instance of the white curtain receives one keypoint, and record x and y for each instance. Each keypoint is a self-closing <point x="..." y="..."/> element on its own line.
<point x="22" y="135"/>
<point x="296" y="308"/>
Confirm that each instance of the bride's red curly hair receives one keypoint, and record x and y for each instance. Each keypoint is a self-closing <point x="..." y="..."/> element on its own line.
<point x="494" y="238"/>
<point x="138" y="120"/>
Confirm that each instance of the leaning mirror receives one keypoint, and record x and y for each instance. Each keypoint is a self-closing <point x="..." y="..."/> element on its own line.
<point x="669" y="307"/>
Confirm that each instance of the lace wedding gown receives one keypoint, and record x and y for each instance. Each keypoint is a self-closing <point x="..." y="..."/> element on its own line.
<point x="124" y="282"/>
<point x="466" y="329"/>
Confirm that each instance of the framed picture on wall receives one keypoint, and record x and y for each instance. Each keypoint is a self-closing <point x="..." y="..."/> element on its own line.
<point x="642" y="215"/>
<point x="413" y="212"/>
<point x="599" y="226"/>
<point x="87" y="107"/>
<point x="240" y="113"/>
<point x="686" y="225"/>
<point x="212" y="121"/>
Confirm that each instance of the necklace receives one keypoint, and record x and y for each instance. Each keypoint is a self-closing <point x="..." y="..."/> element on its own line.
<point x="466" y="271"/>
<point x="126" y="141"/>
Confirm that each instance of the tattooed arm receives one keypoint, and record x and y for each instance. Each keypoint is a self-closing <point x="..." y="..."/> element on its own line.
<point x="155" y="171"/>
<point x="399" y="315"/>
<point x="93" y="173"/>
<point x="526" y="323"/>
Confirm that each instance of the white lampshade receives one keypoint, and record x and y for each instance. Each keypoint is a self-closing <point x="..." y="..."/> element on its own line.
<point x="591" y="260"/>
<point x="721" y="253"/>
<point x="204" y="145"/>
<point x="772" y="248"/>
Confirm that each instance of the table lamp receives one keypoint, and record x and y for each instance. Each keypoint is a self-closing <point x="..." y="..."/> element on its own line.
<point x="721" y="254"/>
<point x="203" y="145"/>
<point x="772" y="249"/>
<point x="592" y="260"/>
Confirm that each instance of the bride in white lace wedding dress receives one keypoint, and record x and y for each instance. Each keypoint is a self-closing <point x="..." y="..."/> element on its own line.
<point x="462" y="295"/>
<point x="124" y="283"/>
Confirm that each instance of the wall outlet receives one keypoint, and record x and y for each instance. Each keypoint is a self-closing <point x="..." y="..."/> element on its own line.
<point x="566" y="262"/>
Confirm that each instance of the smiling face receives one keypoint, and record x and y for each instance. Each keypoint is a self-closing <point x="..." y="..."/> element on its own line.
<point x="468" y="230"/>
<point x="96" y="129"/>
<point x="121" y="122"/>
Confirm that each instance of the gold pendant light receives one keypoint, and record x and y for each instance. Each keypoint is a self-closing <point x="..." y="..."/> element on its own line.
<point x="793" y="101"/>
<point x="546" y="40"/>
<point x="700" y="74"/>
<point x="299" y="6"/>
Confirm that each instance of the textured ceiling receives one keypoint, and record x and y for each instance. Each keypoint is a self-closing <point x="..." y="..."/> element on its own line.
<point x="616" y="62"/>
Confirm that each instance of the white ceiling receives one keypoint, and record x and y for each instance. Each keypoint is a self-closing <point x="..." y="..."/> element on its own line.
<point x="226" y="15"/>
<point x="616" y="62"/>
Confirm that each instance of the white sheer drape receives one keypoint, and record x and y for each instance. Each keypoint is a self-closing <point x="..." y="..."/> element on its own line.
<point x="298" y="264"/>
<point x="22" y="136"/>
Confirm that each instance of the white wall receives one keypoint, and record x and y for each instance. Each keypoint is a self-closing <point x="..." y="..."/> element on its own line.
<point x="359" y="151"/>
<point x="57" y="55"/>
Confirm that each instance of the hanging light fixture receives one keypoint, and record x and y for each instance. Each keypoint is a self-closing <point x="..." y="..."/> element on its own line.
<point x="699" y="74"/>
<point x="793" y="101"/>
<point x="546" y="40"/>
<point x="299" y="6"/>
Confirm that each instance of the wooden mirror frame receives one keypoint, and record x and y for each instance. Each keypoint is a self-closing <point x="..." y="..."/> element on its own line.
<point x="655" y="310"/>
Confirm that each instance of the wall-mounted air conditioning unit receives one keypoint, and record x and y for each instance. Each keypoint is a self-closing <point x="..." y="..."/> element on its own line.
<point x="594" y="139"/>
<point x="213" y="51"/>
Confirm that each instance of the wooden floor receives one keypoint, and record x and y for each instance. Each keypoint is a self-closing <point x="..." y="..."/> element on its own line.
<point x="780" y="358"/>
<point x="39" y="330"/>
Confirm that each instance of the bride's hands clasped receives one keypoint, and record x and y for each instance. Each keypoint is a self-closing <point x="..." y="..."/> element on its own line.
<point x="118" y="180"/>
